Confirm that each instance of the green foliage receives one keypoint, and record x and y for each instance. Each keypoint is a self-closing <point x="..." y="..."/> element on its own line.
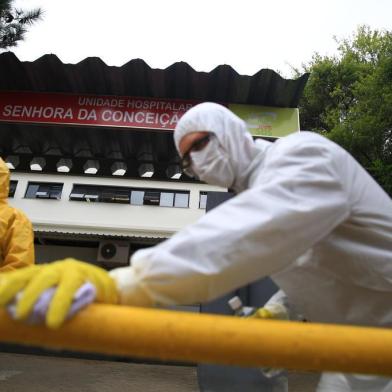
<point x="14" y="22"/>
<point x="348" y="98"/>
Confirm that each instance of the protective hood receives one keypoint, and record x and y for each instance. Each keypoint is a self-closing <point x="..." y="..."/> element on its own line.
<point x="4" y="181"/>
<point x="232" y="135"/>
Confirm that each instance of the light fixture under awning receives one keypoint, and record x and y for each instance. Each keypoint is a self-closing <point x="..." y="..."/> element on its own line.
<point x="174" y="172"/>
<point x="91" y="167"/>
<point x="12" y="161"/>
<point x="146" y="170"/>
<point x="64" y="165"/>
<point x="118" y="168"/>
<point x="37" y="164"/>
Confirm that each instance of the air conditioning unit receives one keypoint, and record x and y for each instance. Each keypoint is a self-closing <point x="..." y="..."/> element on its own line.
<point x="113" y="252"/>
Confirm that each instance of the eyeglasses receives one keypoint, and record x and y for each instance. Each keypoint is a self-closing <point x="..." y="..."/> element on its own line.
<point x="186" y="161"/>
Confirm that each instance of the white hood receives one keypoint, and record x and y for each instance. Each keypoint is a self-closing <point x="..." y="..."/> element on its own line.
<point x="231" y="133"/>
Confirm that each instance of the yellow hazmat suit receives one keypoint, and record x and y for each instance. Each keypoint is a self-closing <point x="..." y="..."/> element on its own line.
<point x="16" y="231"/>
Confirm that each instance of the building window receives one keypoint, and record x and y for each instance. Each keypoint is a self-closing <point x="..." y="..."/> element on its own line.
<point x="115" y="196"/>
<point x="151" y="198"/>
<point x="181" y="200"/>
<point x="12" y="189"/>
<point x="92" y="193"/>
<point x="44" y="190"/>
<point x="121" y="197"/>
<point x="156" y="197"/>
<point x="137" y="197"/>
<point x="91" y="196"/>
<point x="203" y="200"/>
<point x="167" y="199"/>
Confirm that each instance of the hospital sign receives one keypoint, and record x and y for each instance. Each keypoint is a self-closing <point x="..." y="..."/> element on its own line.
<point x="132" y="112"/>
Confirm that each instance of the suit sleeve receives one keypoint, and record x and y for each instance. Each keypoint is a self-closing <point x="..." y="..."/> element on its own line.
<point x="297" y="199"/>
<point x="17" y="242"/>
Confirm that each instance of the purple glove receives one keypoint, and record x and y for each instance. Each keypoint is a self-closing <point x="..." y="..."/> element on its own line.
<point x="83" y="297"/>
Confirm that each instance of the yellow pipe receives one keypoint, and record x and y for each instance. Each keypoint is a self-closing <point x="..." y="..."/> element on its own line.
<point x="170" y="335"/>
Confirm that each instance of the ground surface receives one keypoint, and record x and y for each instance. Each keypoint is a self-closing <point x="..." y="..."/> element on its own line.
<point x="34" y="373"/>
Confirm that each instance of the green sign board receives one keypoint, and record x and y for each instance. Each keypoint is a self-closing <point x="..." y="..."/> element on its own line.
<point x="268" y="121"/>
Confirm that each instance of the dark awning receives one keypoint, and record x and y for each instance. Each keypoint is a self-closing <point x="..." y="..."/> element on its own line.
<point x="135" y="78"/>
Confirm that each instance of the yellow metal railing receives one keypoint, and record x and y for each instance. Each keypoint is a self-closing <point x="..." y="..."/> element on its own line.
<point x="180" y="336"/>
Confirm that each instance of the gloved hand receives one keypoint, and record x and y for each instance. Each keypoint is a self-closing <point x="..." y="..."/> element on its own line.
<point x="68" y="275"/>
<point x="272" y="311"/>
<point x="84" y="296"/>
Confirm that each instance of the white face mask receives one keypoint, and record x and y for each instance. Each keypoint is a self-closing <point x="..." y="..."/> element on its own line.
<point x="212" y="165"/>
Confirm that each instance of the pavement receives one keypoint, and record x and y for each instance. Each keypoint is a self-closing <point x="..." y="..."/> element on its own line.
<point x="37" y="373"/>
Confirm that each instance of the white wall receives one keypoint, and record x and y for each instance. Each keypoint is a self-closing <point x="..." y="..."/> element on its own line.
<point x="106" y="218"/>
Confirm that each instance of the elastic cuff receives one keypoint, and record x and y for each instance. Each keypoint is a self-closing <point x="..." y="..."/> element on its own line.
<point x="130" y="289"/>
<point x="277" y="311"/>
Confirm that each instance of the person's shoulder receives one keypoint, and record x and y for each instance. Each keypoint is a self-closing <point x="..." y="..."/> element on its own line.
<point x="303" y="137"/>
<point x="310" y="142"/>
<point x="21" y="216"/>
<point x="302" y="147"/>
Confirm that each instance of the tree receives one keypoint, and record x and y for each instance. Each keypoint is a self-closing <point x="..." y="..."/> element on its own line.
<point x="14" y="23"/>
<point x="348" y="98"/>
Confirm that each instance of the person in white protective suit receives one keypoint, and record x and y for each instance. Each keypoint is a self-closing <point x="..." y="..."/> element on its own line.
<point x="305" y="211"/>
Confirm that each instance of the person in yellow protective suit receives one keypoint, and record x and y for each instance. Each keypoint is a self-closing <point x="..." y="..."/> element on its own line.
<point x="16" y="231"/>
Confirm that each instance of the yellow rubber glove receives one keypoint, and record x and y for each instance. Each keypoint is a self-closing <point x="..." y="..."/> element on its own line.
<point x="263" y="313"/>
<point x="272" y="311"/>
<point x="68" y="275"/>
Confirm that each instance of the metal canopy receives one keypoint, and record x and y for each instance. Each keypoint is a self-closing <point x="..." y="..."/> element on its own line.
<point x="135" y="78"/>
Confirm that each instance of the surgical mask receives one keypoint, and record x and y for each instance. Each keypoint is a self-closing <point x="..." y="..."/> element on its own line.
<point x="212" y="165"/>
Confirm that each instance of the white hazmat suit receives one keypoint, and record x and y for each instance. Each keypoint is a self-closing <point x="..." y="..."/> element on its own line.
<point x="306" y="214"/>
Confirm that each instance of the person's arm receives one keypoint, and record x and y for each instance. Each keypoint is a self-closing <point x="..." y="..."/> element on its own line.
<point x="299" y="199"/>
<point x="17" y="242"/>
